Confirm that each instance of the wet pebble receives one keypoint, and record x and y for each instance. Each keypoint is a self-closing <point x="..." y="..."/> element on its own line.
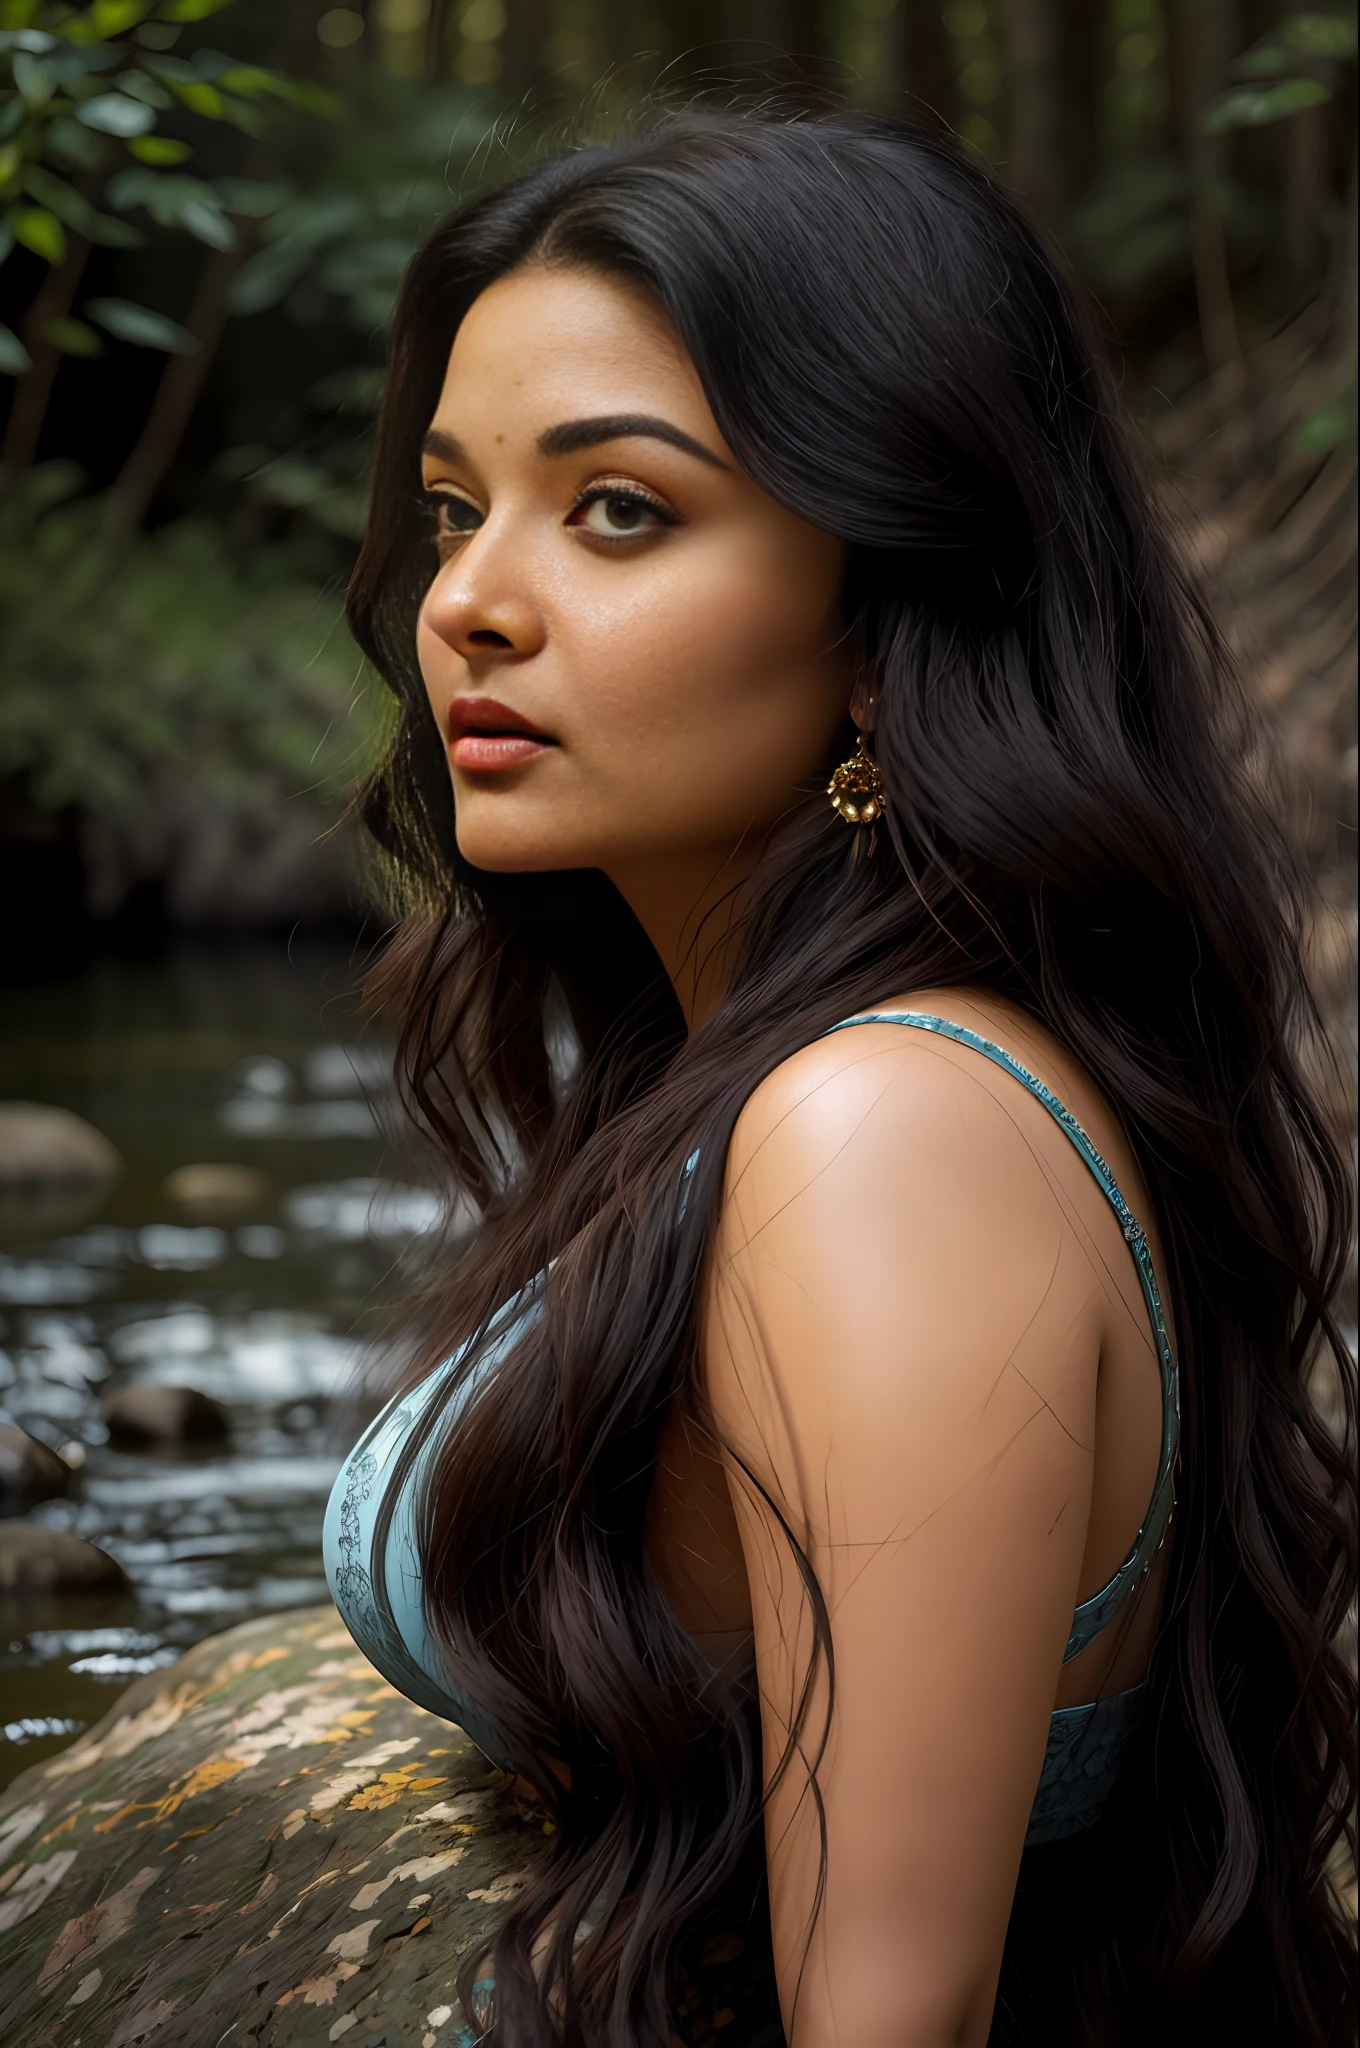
<point x="37" y="1561"/>
<point x="29" y="1471"/>
<point x="214" y="1191"/>
<point x="146" y="1415"/>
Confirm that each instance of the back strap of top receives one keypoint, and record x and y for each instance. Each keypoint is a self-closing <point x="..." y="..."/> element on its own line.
<point x="1093" y="1614"/>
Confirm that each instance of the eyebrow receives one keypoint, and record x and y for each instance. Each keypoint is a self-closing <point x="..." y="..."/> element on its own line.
<point x="573" y="434"/>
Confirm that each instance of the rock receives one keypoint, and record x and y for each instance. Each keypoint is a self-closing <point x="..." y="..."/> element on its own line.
<point x="29" y="1472"/>
<point x="266" y="1844"/>
<point x="216" y="1192"/>
<point x="54" y="1167"/>
<point x="147" y="1415"/>
<point x="265" y="1829"/>
<point x="40" y="1144"/>
<point x="36" y="1562"/>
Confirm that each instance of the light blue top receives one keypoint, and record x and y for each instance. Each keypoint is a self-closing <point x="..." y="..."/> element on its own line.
<point x="1086" y="1744"/>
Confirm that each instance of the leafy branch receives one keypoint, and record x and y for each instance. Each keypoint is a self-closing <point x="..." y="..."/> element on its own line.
<point x="85" y="94"/>
<point x="1295" y="67"/>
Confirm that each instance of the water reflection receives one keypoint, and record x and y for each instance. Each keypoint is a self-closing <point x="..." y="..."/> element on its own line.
<point x="246" y="1057"/>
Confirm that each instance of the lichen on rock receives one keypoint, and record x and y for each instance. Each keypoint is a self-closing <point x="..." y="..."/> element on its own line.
<point x="265" y="1843"/>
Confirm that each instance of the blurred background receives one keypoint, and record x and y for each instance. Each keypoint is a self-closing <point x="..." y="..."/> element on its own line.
<point x="207" y="206"/>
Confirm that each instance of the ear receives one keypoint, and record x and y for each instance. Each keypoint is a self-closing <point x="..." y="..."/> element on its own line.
<point x="862" y="704"/>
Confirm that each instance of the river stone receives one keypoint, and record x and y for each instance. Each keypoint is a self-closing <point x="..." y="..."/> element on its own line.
<point x="216" y="1192"/>
<point x="147" y="1415"/>
<point x="36" y="1561"/>
<point x="54" y="1167"/>
<point x="40" y="1144"/>
<point x="267" y="1845"/>
<point x="29" y="1471"/>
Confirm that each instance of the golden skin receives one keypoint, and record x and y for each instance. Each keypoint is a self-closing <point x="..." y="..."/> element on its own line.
<point x="689" y="672"/>
<point x="923" y="1329"/>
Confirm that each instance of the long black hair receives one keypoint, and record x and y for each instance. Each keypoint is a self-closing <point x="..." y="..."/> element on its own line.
<point x="891" y="351"/>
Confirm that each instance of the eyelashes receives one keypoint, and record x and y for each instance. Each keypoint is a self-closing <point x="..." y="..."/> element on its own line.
<point x="628" y="498"/>
<point x="455" y="517"/>
<point x="444" y="511"/>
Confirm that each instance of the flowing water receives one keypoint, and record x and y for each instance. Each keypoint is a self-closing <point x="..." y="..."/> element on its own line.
<point x="245" y="1053"/>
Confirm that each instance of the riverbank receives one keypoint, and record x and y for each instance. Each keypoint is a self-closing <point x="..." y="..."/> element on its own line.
<point x="245" y="1250"/>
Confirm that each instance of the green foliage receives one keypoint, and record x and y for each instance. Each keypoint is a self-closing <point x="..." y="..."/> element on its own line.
<point x="329" y="262"/>
<point x="85" y="90"/>
<point x="1320" y="35"/>
<point x="139" y="324"/>
<point x="1291" y="69"/>
<point x="338" y="248"/>
<point x="39" y="230"/>
<point x="1331" y="426"/>
<point x="73" y="337"/>
<point x="13" y="354"/>
<point x="1254" y="106"/>
<point x="239" y="680"/>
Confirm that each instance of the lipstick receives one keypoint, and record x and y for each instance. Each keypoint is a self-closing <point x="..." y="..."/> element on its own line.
<point x="485" y="734"/>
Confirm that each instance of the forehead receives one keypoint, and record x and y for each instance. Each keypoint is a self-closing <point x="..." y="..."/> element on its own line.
<point x="568" y="342"/>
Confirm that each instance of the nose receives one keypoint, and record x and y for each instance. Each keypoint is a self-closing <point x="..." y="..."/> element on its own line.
<point x="481" y="604"/>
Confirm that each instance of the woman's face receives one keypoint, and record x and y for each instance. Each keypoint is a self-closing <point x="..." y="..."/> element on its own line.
<point x="630" y="649"/>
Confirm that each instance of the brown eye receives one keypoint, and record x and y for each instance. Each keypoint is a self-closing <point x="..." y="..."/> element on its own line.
<point x="454" y="518"/>
<point x="619" y="515"/>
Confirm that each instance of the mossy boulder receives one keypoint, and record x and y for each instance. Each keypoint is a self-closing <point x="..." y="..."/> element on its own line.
<point x="263" y="1844"/>
<point x="266" y="1845"/>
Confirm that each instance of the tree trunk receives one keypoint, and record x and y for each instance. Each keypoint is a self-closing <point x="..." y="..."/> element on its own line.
<point x="1032" y="160"/>
<point x="33" y="393"/>
<point x="927" y="69"/>
<point x="182" y="380"/>
<point x="526" y="35"/>
<point x="1305" y="138"/>
<point x="621" y="36"/>
<point x="697" y="30"/>
<point x="1347" y="331"/>
<point x="1206" y="40"/>
<point x="441" y="39"/>
<point x="805" y="33"/>
<point x="1083" y="39"/>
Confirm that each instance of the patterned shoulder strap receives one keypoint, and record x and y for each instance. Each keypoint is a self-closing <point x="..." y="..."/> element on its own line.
<point x="1093" y="1614"/>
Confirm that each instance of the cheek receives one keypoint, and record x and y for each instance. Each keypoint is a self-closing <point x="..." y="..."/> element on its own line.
<point x="726" y="676"/>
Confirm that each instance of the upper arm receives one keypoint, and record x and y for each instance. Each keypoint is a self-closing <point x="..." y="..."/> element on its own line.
<point x="901" y="1354"/>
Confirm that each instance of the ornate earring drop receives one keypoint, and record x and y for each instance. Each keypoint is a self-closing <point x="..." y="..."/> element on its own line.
<point x="856" y="788"/>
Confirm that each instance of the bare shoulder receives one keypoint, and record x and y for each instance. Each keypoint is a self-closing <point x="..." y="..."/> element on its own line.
<point x="905" y="1232"/>
<point x="879" y="1100"/>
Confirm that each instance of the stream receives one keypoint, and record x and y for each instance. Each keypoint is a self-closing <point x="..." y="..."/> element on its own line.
<point x="239" y="1052"/>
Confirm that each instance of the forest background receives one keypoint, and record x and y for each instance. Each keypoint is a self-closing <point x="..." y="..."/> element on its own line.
<point x="198" y="257"/>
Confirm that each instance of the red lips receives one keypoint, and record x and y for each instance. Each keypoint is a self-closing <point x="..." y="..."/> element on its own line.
<point x="486" y="734"/>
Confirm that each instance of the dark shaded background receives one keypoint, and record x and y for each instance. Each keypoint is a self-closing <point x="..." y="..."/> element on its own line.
<point x="181" y="710"/>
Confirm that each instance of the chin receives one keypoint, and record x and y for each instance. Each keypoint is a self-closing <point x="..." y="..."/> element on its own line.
<point x="517" y="853"/>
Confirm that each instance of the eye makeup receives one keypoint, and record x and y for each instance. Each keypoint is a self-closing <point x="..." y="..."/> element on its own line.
<point x="455" y="517"/>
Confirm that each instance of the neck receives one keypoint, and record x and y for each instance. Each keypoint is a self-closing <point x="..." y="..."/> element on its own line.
<point x="688" y="906"/>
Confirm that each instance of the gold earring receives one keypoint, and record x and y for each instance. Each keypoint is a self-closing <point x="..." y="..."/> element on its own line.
<point x="856" y="788"/>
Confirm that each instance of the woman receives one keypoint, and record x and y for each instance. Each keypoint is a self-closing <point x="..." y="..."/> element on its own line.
<point x="781" y="634"/>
